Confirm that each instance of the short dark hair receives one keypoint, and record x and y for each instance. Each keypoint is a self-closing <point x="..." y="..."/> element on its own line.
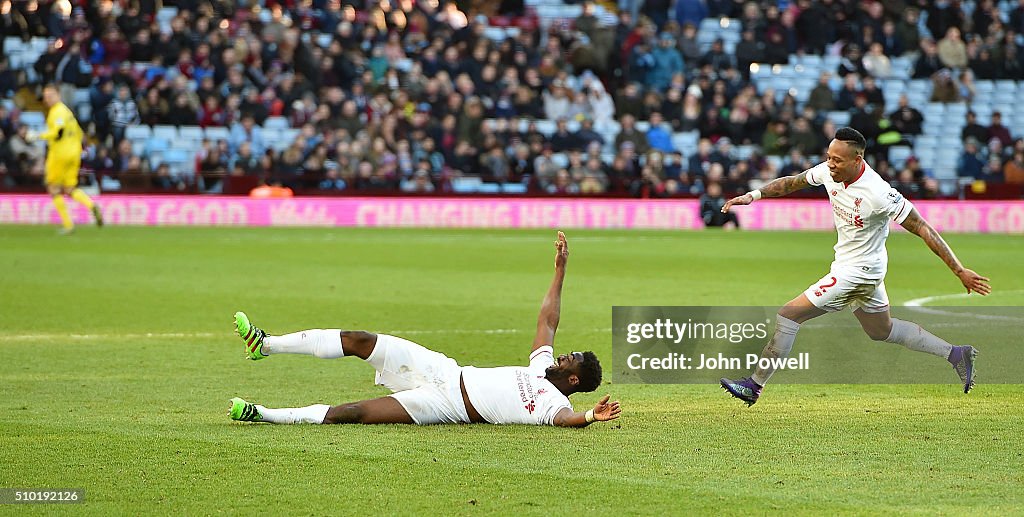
<point x="852" y="137"/>
<point x="590" y="373"/>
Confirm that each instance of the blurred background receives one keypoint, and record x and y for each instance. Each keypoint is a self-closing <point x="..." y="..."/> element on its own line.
<point x="656" y="98"/>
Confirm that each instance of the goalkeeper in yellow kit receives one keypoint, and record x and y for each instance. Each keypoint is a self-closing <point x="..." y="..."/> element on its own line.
<point x="63" y="158"/>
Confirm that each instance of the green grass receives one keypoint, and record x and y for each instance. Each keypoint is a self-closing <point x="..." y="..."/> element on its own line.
<point x="118" y="361"/>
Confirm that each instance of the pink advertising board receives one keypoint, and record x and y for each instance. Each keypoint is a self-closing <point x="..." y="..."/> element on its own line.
<point x="949" y="216"/>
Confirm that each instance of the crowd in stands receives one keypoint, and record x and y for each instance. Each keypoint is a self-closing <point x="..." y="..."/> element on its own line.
<point x="413" y="95"/>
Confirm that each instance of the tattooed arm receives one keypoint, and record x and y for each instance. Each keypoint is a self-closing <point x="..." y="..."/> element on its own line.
<point x="776" y="188"/>
<point x="916" y="224"/>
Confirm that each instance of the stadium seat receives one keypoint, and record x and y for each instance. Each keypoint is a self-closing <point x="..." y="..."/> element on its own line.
<point x="839" y="118"/>
<point x="33" y="119"/>
<point x="275" y="123"/>
<point x="546" y="127"/>
<point x="466" y="185"/>
<point x="169" y="133"/>
<point x="687" y="139"/>
<point x="157" y="145"/>
<point x="513" y="188"/>
<point x="191" y="133"/>
<point x="140" y="132"/>
<point x="489" y="188"/>
<point x="984" y="87"/>
<point x="216" y="134"/>
<point x="898" y="155"/>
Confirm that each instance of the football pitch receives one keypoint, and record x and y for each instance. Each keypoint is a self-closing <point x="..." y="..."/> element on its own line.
<point x="118" y="360"/>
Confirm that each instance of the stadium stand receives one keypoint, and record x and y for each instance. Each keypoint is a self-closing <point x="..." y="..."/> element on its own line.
<point x="350" y="97"/>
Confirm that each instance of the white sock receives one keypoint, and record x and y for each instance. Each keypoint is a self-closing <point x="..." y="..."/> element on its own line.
<point x="912" y="336"/>
<point x="325" y="344"/>
<point x="314" y="414"/>
<point x="779" y="346"/>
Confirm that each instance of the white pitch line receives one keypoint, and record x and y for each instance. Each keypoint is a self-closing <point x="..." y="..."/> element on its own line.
<point x="918" y="305"/>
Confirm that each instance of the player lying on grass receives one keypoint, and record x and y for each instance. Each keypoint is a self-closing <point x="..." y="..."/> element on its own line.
<point x="862" y="204"/>
<point x="431" y="388"/>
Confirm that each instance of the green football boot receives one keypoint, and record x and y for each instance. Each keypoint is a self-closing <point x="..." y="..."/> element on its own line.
<point x="252" y="335"/>
<point x="244" y="411"/>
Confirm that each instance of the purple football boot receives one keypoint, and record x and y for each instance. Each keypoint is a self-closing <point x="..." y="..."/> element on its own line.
<point x="962" y="359"/>
<point x="744" y="389"/>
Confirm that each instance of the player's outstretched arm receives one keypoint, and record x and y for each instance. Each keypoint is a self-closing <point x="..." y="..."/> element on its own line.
<point x="972" y="281"/>
<point x="603" y="411"/>
<point x="551" y="308"/>
<point x="776" y="188"/>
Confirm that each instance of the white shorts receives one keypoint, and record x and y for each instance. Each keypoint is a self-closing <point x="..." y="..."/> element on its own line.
<point x="424" y="382"/>
<point x="848" y="286"/>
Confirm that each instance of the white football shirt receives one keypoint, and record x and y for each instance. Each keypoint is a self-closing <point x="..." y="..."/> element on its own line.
<point x="862" y="210"/>
<point x="516" y="394"/>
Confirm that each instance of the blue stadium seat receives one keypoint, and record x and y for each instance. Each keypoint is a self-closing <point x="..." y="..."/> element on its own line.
<point x="984" y="87"/>
<point x="513" y="188"/>
<point x="140" y="132"/>
<point x="156" y="145"/>
<point x="546" y="127"/>
<point x="839" y="118"/>
<point x="898" y="155"/>
<point x="216" y="134"/>
<point x="275" y="123"/>
<point x="191" y="133"/>
<point x="466" y="185"/>
<point x="33" y="119"/>
<point x="169" y="133"/>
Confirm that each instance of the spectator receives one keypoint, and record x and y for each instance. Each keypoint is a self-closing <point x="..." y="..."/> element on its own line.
<point x="563" y="139"/>
<point x="556" y="101"/>
<point x="1013" y="170"/>
<point x="971" y="162"/>
<point x="628" y="133"/>
<point x="658" y="137"/>
<point x="952" y="50"/>
<point x="929" y="63"/>
<point x="813" y="17"/>
<point x="122" y="112"/>
<point x="182" y="114"/>
<point x="246" y="131"/>
<point x="749" y="50"/>
<point x="944" y="89"/>
<point x="688" y="46"/>
<point x="803" y="138"/>
<point x="871" y="91"/>
<point x="892" y="44"/>
<point x="153" y="109"/>
<point x="972" y="129"/>
<point x="908" y="33"/>
<point x="601" y="105"/>
<point x="998" y="131"/>
<point x="851" y="62"/>
<point x="906" y="119"/>
<point x="690" y="12"/>
<point x="667" y="62"/>
<point x="717" y="58"/>
<point x="876" y="62"/>
<point x="848" y="93"/>
<point x="711" y="203"/>
<point x="775" y="141"/>
<point x="821" y="97"/>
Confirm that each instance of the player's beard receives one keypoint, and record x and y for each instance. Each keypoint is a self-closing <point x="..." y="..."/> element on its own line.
<point x="554" y="373"/>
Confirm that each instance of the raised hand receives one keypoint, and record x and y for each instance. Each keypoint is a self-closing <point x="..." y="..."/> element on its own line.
<point x="974" y="282"/>
<point x="561" y="251"/>
<point x="605" y="411"/>
<point x="745" y="199"/>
